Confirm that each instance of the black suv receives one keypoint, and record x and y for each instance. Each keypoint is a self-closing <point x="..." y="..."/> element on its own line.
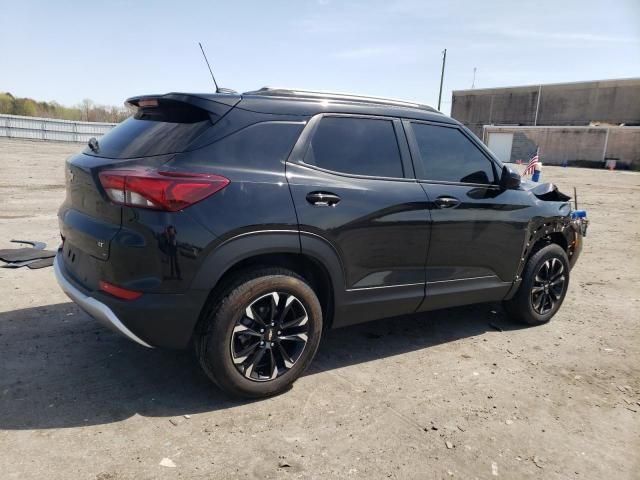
<point x="246" y="224"/>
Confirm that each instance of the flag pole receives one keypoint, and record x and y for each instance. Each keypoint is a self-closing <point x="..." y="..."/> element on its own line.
<point x="537" y="167"/>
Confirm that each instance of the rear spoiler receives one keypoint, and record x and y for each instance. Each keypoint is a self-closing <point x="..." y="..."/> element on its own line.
<point x="216" y="103"/>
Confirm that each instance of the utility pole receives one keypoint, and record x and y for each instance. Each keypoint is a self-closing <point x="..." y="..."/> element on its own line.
<point x="444" y="60"/>
<point x="473" y="83"/>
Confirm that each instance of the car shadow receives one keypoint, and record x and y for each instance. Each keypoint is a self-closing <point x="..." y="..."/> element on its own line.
<point x="59" y="368"/>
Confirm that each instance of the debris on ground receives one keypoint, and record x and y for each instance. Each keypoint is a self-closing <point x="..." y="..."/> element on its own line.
<point x="40" y="263"/>
<point x="34" y="243"/>
<point x="167" y="462"/>
<point x="33" y="257"/>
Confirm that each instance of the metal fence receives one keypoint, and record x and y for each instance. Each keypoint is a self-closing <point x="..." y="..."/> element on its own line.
<point x="37" y="128"/>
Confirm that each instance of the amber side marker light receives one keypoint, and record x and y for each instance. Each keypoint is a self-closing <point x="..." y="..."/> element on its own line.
<point x="119" y="292"/>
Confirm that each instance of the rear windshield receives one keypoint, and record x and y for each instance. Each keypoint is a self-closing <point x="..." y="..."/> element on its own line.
<point x="171" y="127"/>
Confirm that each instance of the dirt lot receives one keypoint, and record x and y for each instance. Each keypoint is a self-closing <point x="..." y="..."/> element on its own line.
<point x="460" y="393"/>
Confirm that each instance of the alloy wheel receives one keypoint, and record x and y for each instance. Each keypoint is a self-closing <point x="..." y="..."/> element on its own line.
<point x="548" y="286"/>
<point x="270" y="336"/>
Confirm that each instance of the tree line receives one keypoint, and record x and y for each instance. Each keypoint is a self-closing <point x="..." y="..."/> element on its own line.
<point x="86" y="110"/>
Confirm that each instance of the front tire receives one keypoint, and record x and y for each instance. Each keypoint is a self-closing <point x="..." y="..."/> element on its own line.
<point x="545" y="281"/>
<point x="261" y="333"/>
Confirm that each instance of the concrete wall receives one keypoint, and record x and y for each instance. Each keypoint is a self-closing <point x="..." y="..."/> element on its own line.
<point x="624" y="145"/>
<point x="579" y="146"/>
<point x="608" y="101"/>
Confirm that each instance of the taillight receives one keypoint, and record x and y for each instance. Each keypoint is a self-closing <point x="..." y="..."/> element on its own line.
<point x="170" y="191"/>
<point x="119" y="292"/>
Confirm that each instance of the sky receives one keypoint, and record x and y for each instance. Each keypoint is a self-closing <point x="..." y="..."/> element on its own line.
<point x="107" y="51"/>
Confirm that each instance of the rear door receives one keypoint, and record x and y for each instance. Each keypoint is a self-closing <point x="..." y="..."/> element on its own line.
<point x="353" y="186"/>
<point x="478" y="229"/>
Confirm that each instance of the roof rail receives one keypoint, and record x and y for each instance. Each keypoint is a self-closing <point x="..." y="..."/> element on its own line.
<point x="324" y="95"/>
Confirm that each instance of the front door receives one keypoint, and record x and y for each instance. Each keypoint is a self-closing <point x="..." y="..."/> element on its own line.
<point x="352" y="185"/>
<point x="478" y="229"/>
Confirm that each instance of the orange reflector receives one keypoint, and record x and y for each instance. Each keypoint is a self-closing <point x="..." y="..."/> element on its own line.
<point x="119" y="292"/>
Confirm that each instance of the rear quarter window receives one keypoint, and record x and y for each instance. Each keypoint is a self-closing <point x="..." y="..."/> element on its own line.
<point x="257" y="145"/>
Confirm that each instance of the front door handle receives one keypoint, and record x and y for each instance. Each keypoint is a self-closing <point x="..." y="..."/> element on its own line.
<point x="322" y="199"/>
<point x="447" y="202"/>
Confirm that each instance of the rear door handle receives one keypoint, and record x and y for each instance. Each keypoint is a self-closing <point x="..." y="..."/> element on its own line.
<point x="322" y="199"/>
<point x="447" y="202"/>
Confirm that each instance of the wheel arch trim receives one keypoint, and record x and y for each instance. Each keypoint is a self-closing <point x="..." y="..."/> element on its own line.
<point x="247" y="245"/>
<point x="539" y="229"/>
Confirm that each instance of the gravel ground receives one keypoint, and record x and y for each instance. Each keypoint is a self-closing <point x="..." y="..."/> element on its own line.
<point x="459" y="393"/>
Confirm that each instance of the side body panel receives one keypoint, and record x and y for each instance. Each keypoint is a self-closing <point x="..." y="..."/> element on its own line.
<point x="477" y="234"/>
<point x="475" y="247"/>
<point x="378" y="230"/>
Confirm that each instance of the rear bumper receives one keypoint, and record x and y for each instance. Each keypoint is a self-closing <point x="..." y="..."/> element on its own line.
<point x="93" y="307"/>
<point x="153" y="320"/>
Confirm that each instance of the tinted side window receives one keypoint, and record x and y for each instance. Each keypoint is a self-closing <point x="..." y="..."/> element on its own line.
<point x="448" y="155"/>
<point x="361" y="146"/>
<point x="258" y="145"/>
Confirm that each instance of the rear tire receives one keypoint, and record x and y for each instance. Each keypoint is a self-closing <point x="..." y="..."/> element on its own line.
<point x="545" y="281"/>
<point x="260" y="333"/>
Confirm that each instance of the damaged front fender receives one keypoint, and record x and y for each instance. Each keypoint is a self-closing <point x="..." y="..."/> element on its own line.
<point x="556" y="223"/>
<point x="547" y="192"/>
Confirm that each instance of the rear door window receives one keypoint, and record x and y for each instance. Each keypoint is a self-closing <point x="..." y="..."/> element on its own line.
<point x="171" y="127"/>
<point x="353" y="145"/>
<point x="448" y="155"/>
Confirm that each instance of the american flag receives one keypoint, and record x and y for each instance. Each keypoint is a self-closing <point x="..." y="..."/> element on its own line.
<point x="531" y="166"/>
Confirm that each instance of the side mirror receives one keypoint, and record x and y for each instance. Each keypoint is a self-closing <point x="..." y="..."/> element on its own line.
<point x="509" y="179"/>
